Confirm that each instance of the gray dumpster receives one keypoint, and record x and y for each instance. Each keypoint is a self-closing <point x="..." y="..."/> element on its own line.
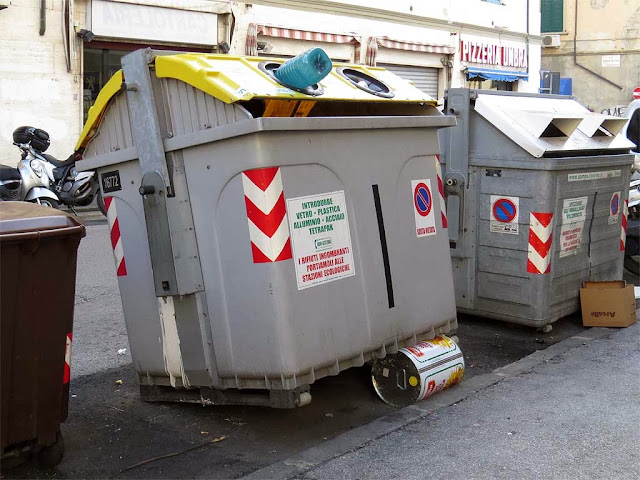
<point x="536" y="188"/>
<point x="264" y="237"/>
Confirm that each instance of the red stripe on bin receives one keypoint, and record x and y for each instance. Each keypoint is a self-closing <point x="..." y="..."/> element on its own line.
<point x="541" y="247"/>
<point x="286" y="253"/>
<point x="267" y="223"/>
<point x="531" y="268"/>
<point x="122" y="268"/>
<point x="115" y="233"/>
<point x="263" y="177"/>
<point x="543" y="218"/>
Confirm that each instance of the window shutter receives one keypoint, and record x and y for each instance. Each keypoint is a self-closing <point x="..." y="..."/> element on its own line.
<point x="552" y="15"/>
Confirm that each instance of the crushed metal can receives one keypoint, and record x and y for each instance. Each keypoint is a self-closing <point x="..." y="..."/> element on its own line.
<point x="417" y="372"/>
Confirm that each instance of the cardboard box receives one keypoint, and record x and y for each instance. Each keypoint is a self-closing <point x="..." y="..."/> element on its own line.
<point x="607" y="304"/>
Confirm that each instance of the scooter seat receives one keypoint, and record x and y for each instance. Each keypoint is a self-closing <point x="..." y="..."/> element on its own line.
<point x="58" y="163"/>
<point x="9" y="173"/>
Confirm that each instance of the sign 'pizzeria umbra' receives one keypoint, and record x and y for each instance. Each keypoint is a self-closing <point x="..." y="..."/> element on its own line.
<point x="488" y="53"/>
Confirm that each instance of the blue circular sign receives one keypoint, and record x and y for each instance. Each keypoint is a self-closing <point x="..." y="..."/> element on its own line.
<point x="504" y="210"/>
<point x="422" y="199"/>
<point x="615" y="204"/>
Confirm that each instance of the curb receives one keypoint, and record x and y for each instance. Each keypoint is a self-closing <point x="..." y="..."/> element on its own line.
<point x="380" y="427"/>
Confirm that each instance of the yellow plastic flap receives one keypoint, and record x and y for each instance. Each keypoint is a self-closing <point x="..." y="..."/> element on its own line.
<point x="97" y="110"/>
<point x="232" y="79"/>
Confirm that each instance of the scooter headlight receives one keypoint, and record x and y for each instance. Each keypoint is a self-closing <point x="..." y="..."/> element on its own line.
<point x="36" y="166"/>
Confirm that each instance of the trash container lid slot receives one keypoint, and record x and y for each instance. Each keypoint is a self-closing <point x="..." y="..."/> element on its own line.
<point x="544" y="125"/>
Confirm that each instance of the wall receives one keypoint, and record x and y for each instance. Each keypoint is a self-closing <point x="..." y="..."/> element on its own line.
<point x="35" y="87"/>
<point x="618" y="35"/>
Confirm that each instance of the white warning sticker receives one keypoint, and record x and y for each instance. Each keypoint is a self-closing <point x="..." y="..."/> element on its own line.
<point x="320" y="238"/>
<point x="570" y="238"/>
<point x="574" y="215"/>
<point x="504" y="214"/>
<point x="423" y="208"/>
<point x="574" y="210"/>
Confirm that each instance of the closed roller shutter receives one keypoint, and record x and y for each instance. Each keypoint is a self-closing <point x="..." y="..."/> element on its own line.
<point x="425" y="79"/>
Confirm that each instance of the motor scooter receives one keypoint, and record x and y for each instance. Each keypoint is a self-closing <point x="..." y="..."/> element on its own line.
<point x="31" y="180"/>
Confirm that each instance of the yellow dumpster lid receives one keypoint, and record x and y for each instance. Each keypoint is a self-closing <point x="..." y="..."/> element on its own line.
<point x="235" y="78"/>
<point x="97" y="110"/>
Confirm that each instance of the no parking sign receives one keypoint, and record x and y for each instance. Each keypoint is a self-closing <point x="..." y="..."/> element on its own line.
<point x="614" y="208"/>
<point x="504" y="214"/>
<point x="423" y="210"/>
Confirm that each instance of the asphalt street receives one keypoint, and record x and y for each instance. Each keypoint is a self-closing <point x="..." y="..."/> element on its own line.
<point x="99" y="330"/>
<point x="110" y="430"/>
<point x="573" y="416"/>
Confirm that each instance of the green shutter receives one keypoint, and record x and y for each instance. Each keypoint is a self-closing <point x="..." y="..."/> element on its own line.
<point x="552" y="15"/>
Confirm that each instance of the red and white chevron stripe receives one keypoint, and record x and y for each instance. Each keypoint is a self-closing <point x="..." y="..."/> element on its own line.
<point x="267" y="215"/>
<point x="540" y="239"/>
<point x="116" y="241"/>
<point x="67" y="359"/>
<point x="623" y="232"/>
<point x="443" y="207"/>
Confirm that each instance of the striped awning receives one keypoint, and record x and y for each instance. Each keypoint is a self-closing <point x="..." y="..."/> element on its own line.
<point x="279" y="32"/>
<point x="371" y="54"/>
<point x="251" y="45"/>
<point x="387" y="42"/>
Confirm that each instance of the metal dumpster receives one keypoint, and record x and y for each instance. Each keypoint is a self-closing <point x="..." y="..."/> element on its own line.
<point x="536" y="191"/>
<point x="265" y="237"/>
<point x="38" y="247"/>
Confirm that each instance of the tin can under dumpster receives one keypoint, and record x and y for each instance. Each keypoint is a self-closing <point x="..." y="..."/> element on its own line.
<point x="418" y="371"/>
<point x="536" y="190"/>
<point x="291" y="235"/>
<point x="38" y="247"/>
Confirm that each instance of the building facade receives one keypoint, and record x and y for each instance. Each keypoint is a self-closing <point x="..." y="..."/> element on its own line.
<point x="596" y="43"/>
<point x="50" y="78"/>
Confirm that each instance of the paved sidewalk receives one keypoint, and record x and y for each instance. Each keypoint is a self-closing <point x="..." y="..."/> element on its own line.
<point x="571" y="411"/>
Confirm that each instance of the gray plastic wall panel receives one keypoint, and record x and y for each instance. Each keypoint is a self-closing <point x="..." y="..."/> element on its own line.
<point x="137" y="290"/>
<point x="114" y="131"/>
<point x="191" y="110"/>
<point x="282" y="332"/>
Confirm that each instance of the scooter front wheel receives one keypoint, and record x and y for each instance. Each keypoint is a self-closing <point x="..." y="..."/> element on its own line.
<point x="631" y="263"/>
<point x="100" y="203"/>
<point x="48" y="202"/>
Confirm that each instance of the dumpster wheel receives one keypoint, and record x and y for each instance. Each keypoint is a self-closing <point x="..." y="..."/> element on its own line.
<point x="546" y="328"/>
<point x="51" y="455"/>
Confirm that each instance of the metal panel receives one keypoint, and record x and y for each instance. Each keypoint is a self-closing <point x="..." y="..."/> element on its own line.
<point x="497" y="165"/>
<point x="423" y="78"/>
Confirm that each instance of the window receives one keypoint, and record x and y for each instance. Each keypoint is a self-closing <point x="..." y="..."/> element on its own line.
<point x="552" y="16"/>
<point x="99" y="67"/>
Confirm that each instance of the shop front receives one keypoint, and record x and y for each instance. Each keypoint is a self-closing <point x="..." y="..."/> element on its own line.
<point x="492" y="63"/>
<point x="114" y="28"/>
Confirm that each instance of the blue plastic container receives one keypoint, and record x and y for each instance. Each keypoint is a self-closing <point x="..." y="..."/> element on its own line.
<point x="304" y="70"/>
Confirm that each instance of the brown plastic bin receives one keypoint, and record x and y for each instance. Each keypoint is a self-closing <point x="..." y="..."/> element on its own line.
<point x="38" y="251"/>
